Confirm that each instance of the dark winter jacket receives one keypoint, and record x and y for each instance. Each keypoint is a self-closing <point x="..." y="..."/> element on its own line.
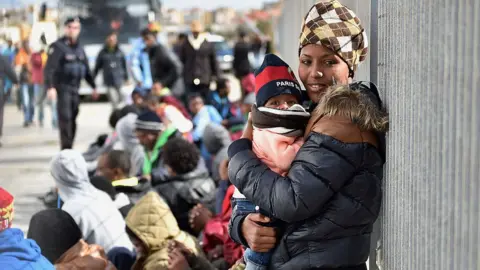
<point x="6" y="70"/>
<point x="163" y="67"/>
<point x="330" y="198"/>
<point x="183" y="192"/>
<point x="241" y="63"/>
<point x="114" y="66"/>
<point x="199" y="63"/>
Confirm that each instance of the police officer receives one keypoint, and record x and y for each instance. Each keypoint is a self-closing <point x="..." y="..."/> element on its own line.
<point x="66" y="66"/>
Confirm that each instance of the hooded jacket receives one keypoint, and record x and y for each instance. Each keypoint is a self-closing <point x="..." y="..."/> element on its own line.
<point x="126" y="134"/>
<point x="18" y="253"/>
<point x="83" y="256"/>
<point x="332" y="194"/>
<point x="183" y="192"/>
<point x="216" y="140"/>
<point x="93" y="210"/>
<point x="154" y="224"/>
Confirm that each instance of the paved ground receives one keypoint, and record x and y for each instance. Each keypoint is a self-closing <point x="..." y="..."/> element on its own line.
<point x="26" y="153"/>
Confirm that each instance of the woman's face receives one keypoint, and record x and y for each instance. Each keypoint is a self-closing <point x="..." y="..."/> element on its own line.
<point x="316" y="60"/>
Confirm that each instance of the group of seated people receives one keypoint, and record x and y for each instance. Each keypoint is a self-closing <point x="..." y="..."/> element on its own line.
<point x="154" y="194"/>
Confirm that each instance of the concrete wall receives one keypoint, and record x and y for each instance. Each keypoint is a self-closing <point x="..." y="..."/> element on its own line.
<point x="428" y="70"/>
<point x="426" y="60"/>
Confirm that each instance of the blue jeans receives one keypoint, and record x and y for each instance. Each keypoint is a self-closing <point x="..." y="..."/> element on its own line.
<point x="254" y="260"/>
<point x="38" y="90"/>
<point x="28" y="103"/>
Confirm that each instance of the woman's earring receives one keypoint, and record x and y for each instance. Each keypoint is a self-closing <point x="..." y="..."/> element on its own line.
<point x="320" y="74"/>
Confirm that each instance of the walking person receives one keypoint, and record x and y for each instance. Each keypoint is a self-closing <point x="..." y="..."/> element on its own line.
<point x="22" y="62"/>
<point x="199" y="60"/>
<point x="6" y="72"/>
<point x="66" y="66"/>
<point x="241" y="61"/>
<point x="111" y="60"/>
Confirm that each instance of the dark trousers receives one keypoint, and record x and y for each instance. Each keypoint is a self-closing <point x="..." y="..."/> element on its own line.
<point x="67" y="109"/>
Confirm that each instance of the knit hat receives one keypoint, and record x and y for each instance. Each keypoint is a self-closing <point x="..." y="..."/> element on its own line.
<point x="336" y="27"/>
<point x="55" y="231"/>
<point x="6" y="209"/>
<point x="273" y="78"/>
<point x="149" y="121"/>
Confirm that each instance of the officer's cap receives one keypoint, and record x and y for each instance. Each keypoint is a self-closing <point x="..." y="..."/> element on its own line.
<point x="71" y="20"/>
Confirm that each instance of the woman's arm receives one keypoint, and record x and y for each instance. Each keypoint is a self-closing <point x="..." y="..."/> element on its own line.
<point x="320" y="169"/>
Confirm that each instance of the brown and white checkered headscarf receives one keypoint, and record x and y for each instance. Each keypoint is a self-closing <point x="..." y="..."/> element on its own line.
<point x="338" y="28"/>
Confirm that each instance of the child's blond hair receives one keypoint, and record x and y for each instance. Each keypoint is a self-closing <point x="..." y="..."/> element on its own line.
<point x="356" y="105"/>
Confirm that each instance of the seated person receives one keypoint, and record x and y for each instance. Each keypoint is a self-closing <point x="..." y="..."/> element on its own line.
<point x="115" y="167"/>
<point x="16" y="252"/>
<point x="231" y="113"/>
<point x="181" y="258"/>
<point x="170" y="115"/>
<point x="203" y="115"/>
<point x="131" y="145"/>
<point x="245" y="107"/>
<point x="166" y="97"/>
<point x="153" y="135"/>
<point x="188" y="183"/>
<point x="150" y="226"/>
<point x="93" y="210"/>
<point x="60" y="240"/>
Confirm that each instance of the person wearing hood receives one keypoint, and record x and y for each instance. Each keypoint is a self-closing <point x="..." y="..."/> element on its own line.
<point x="111" y="60"/>
<point x="188" y="184"/>
<point x="16" y="252"/>
<point x="131" y="144"/>
<point x="199" y="61"/>
<point x="93" y="210"/>
<point x="150" y="226"/>
<point x="61" y="242"/>
<point x="153" y="134"/>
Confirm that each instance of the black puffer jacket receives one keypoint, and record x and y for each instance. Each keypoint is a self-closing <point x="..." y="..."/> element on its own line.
<point x="330" y="198"/>
<point x="183" y="192"/>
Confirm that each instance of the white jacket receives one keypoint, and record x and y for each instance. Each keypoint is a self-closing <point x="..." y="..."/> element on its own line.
<point x="93" y="210"/>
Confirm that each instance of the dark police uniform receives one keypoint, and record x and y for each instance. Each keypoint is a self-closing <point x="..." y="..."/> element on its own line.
<point x="66" y="66"/>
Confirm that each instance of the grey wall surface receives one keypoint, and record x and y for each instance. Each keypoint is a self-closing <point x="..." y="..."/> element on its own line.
<point x="429" y="72"/>
<point x="427" y="66"/>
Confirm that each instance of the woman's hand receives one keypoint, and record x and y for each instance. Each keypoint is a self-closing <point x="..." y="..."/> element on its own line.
<point x="248" y="130"/>
<point x="258" y="237"/>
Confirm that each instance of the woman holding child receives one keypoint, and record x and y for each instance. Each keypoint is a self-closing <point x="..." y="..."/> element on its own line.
<point x="330" y="197"/>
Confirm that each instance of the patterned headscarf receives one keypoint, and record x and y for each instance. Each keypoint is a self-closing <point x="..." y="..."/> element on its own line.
<point x="336" y="27"/>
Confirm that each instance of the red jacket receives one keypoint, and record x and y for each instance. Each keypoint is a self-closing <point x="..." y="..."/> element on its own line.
<point x="216" y="232"/>
<point x="36" y="61"/>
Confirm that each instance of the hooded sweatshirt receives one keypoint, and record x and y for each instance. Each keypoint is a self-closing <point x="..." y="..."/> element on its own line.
<point x="216" y="139"/>
<point x="17" y="253"/>
<point x="154" y="224"/>
<point x="126" y="134"/>
<point x="93" y="210"/>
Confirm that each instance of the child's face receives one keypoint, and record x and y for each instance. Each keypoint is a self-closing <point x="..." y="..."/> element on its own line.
<point x="282" y="102"/>
<point x="157" y="88"/>
<point x="137" y="99"/>
<point x="195" y="105"/>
